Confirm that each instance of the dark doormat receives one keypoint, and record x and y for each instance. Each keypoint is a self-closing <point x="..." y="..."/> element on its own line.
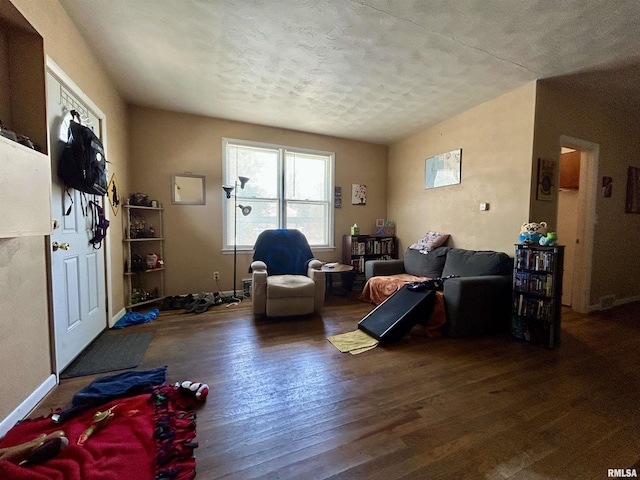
<point x="109" y="352"/>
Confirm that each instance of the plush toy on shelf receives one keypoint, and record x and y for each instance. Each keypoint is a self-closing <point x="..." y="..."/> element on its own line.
<point x="532" y="232"/>
<point x="551" y="240"/>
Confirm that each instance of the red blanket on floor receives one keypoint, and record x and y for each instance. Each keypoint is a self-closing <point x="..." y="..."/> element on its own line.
<point x="378" y="289"/>
<point x="149" y="435"/>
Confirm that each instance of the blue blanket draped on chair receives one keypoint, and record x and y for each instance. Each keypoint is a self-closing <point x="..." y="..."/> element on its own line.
<point x="285" y="251"/>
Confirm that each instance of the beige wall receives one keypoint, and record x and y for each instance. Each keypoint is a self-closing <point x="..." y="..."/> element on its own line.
<point x="25" y="342"/>
<point x="568" y="111"/>
<point x="496" y="140"/>
<point x="164" y="142"/>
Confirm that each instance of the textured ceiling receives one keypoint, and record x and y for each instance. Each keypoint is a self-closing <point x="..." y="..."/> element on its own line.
<point x="370" y="70"/>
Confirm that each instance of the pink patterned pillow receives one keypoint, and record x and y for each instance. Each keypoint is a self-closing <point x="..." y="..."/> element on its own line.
<point x="430" y="241"/>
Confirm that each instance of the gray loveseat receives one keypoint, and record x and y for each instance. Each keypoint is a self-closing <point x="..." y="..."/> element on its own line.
<point x="477" y="302"/>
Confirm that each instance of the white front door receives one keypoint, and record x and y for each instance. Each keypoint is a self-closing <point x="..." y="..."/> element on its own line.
<point x="77" y="269"/>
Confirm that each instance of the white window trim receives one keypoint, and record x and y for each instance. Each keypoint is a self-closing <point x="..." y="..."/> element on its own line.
<point x="282" y="149"/>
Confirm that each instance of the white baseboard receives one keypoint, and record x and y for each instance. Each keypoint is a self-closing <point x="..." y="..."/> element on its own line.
<point x="117" y="317"/>
<point x="616" y="303"/>
<point x="229" y="293"/>
<point x="624" y="301"/>
<point x="29" y="404"/>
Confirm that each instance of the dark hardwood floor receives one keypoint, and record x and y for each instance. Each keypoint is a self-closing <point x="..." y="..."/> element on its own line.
<point x="285" y="404"/>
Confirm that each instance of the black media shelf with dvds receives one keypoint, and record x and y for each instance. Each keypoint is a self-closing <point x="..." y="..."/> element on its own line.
<point x="537" y="294"/>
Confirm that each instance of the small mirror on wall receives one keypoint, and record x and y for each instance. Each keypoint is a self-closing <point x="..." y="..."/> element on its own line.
<point x="188" y="189"/>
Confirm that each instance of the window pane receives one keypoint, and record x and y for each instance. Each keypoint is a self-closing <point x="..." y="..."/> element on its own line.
<point x="260" y="165"/>
<point x="263" y="215"/>
<point x="306" y="176"/>
<point x="310" y="219"/>
<point x="286" y="189"/>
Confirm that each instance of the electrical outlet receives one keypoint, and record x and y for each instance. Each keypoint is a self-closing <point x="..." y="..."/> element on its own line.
<point x="216" y="275"/>
<point x="607" y="302"/>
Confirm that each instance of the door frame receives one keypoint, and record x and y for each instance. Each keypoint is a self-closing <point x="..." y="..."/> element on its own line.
<point x="587" y="195"/>
<point x="58" y="72"/>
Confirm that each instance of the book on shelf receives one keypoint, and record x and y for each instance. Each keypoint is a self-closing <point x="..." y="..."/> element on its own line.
<point x="534" y="308"/>
<point x="358" y="264"/>
<point x="540" y="284"/>
<point x="537" y="260"/>
<point x="387" y="246"/>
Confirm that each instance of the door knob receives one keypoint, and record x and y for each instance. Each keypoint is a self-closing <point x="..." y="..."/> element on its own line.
<point x="62" y="246"/>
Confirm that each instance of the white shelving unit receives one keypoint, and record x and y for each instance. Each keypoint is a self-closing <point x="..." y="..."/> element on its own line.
<point x="143" y="235"/>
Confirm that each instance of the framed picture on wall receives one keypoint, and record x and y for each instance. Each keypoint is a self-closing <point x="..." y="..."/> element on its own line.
<point x="546" y="179"/>
<point x="113" y="192"/>
<point x="443" y="169"/>
<point x="633" y="190"/>
<point x="607" y="186"/>
<point x="358" y="194"/>
<point x="337" y="197"/>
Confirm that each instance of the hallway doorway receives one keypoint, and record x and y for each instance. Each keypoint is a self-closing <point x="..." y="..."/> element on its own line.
<point x="568" y="193"/>
<point x="576" y="218"/>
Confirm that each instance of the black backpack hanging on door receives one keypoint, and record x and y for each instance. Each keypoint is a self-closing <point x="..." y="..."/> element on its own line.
<point x="83" y="165"/>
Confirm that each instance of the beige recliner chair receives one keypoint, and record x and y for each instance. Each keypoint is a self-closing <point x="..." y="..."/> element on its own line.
<point x="286" y="279"/>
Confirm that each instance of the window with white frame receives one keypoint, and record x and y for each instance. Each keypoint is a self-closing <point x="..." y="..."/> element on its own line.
<point x="287" y="188"/>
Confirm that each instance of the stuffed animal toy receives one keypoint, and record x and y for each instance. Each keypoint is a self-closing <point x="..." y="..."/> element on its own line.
<point x="36" y="451"/>
<point x="531" y="232"/>
<point x="198" y="390"/>
<point x="551" y="240"/>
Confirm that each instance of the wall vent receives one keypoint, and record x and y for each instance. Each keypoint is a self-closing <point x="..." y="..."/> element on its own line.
<point x="607" y="302"/>
<point x="246" y="287"/>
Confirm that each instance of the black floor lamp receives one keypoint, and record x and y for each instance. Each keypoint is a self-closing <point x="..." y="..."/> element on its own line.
<point x="246" y="210"/>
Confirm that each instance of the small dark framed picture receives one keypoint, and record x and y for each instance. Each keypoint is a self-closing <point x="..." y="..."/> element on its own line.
<point x="607" y="186"/>
<point x="633" y="190"/>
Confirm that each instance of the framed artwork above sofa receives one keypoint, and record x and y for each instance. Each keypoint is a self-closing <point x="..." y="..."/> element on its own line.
<point x="443" y="169"/>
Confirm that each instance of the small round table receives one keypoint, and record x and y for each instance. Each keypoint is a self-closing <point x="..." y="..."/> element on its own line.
<point x="329" y="271"/>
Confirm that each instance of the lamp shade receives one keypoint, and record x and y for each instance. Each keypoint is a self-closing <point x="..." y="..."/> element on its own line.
<point x="246" y="209"/>
<point x="228" y="189"/>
